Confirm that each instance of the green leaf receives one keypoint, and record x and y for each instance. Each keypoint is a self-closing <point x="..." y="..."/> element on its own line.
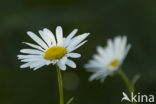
<point x="135" y="79"/>
<point x="70" y="100"/>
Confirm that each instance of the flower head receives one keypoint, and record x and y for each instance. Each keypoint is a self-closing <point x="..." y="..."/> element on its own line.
<point x="108" y="59"/>
<point x="50" y="50"/>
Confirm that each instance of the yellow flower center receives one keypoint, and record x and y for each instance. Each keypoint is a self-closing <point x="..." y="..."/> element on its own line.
<point x="55" y="52"/>
<point x="114" y="63"/>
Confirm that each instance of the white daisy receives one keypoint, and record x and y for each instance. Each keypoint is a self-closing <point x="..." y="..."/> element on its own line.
<point x="48" y="50"/>
<point x="108" y="59"/>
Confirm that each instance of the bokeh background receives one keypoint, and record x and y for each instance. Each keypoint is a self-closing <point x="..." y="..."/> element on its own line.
<point x="104" y="19"/>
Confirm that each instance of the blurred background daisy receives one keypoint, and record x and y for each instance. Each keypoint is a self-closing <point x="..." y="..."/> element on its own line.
<point x="108" y="59"/>
<point x="104" y="19"/>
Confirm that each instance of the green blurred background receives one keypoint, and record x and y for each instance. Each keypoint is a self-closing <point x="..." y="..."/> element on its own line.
<point x="103" y="19"/>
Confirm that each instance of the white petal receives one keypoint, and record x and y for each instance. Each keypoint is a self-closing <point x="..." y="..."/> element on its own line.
<point x="37" y="39"/>
<point x="59" y="35"/>
<point x="48" y="62"/>
<point x="21" y="56"/>
<point x="33" y="46"/>
<point x="127" y="49"/>
<point x="35" y="64"/>
<point x="50" y="35"/>
<point x="100" y="50"/>
<point x="99" y="75"/>
<point x="98" y="58"/>
<point x="75" y="41"/>
<point x="93" y="76"/>
<point x="118" y="45"/>
<point x="93" y="64"/>
<point x="110" y="46"/>
<point x="63" y="60"/>
<point x="31" y="51"/>
<point x="28" y="56"/>
<point x="32" y="59"/>
<point x="74" y="55"/>
<point x="72" y="49"/>
<point x="54" y="61"/>
<point x="25" y="65"/>
<point x="69" y="37"/>
<point x="71" y="63"/>
<point x="39" y="66"/>
<point x="124" y="41"/>
<point x="61" y="65"/>
<point x="45" y="37"/>
<point x="123" y="51"/>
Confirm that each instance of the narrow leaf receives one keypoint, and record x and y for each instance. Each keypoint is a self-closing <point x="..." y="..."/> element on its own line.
<point x="70" y="100"/>
<point x="135" y="79"/>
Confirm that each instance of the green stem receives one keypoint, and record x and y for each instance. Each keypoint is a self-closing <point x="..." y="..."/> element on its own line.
<point x="60" y="84"/>
<point x="128" y="83"/>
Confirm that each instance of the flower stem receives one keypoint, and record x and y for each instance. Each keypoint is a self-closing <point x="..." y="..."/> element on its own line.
<point x="128" y="83"/>
<point x="60" y="84"/>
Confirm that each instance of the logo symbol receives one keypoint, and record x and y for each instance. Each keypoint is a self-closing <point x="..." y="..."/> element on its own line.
<point x="125" y="97"/>
<point x="137" y="97"/>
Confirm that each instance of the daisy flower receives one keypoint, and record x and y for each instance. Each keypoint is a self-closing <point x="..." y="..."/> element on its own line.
<point x="49" y="50"/>
<point x="108" y="59"/>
